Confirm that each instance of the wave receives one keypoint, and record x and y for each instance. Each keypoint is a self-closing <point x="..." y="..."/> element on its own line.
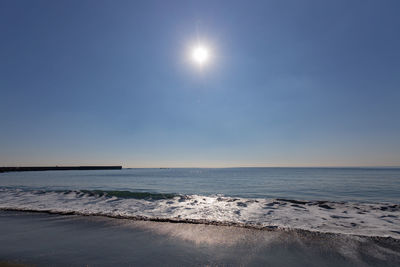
<point x="123" y="194"/>
<point x="367" y="219"/>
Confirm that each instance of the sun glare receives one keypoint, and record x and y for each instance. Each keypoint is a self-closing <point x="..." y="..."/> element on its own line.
<point x="200" y="54"/>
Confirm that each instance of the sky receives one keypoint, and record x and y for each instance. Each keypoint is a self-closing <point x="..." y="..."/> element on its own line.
<point x="289" y="83"/>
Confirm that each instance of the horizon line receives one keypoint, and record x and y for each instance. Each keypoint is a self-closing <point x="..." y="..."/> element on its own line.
<point x="238" y="167"/>
<point x="202" y="167"/>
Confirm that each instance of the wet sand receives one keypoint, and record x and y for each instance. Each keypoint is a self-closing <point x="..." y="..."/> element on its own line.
<point x="70" y="240"/>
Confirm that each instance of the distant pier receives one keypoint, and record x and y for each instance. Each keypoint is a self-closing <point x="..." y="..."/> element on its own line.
<point x="58" y="168"/>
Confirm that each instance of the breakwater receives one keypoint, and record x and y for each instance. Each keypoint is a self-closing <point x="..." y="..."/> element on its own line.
<point x="58" y="168"/>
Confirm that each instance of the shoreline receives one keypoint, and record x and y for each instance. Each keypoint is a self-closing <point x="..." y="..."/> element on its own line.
<point x="271" y="228"/>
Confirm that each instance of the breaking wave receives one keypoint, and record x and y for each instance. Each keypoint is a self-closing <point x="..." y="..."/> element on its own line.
<point x="368" y="219"/>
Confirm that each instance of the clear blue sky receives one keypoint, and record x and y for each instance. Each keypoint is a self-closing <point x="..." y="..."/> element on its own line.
<point x="291" y="83"/>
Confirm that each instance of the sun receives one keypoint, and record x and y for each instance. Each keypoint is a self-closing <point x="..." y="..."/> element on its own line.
<point x="200" y="54"/>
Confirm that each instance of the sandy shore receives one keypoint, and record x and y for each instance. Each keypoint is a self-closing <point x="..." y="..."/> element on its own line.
<point x="69" y="240"/>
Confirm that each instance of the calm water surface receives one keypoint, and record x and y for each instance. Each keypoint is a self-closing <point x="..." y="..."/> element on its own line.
<point x="344" y="184"/>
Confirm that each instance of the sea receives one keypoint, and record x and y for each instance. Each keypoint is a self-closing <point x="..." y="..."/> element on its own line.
<point x="362" y="204"/>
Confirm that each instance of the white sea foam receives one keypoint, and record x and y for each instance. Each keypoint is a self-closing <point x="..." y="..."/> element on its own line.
<point x="369" y="219"/>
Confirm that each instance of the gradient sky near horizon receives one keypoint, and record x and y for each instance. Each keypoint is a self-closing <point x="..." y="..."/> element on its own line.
<point x="290" y="83"/>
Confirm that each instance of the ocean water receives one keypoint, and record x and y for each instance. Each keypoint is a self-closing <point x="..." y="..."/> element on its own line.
<point x="357" y="201"/>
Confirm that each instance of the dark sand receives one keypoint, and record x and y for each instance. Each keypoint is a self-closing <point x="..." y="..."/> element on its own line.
<point x="68" y="240"/>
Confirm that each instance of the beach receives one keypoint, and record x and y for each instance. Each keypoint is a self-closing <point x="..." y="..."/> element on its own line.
<point x="68" y="240"/>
